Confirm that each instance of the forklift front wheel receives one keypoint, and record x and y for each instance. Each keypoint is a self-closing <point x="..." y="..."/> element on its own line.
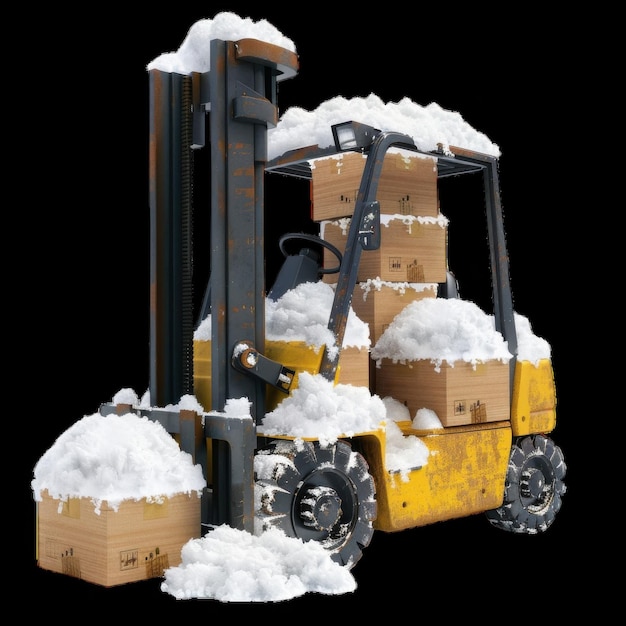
<point x="316" y="493"/>
<point x="312" y="239"/>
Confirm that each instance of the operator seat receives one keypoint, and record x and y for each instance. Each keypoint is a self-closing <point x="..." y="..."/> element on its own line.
<point x="295" y="270"/>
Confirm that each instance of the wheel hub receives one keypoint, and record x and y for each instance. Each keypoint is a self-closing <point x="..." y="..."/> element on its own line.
<point x="532" y="484"/>
<point x="320" y="508"/>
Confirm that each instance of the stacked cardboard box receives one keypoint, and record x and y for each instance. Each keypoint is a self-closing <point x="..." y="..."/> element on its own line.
<point x="411" y="259"/>
<point x="138" y="541"/>
<point x="377" y="302"/>
<point x="409" y="264"/>
<point x="459" y="395"/>
<point x="407" y="185"/>
<point x="412" y="252"/>
<point x="412" y="249"/>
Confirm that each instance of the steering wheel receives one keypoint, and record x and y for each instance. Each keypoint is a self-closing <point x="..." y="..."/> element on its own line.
<point x="313" y="239"/>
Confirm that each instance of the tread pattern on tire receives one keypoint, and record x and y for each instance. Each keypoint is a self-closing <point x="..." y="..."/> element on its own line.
<point x="287" y="472"/>
<point x="534" y="486"/>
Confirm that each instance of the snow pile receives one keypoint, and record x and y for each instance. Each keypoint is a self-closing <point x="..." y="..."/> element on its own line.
<point x="115" y="458"/>
<point x="317" y="408"/>
<point x="441" y="330"/>
<point x="404" y="453"/>
<point x="194" y="54"/>
<point x="529" y="346"/>
<point x="302" y="314"/>
<point x="427" y="126"/>
<point x="230" y="565"/>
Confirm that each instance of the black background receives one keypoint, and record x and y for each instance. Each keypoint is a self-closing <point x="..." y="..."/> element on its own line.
<point x="85" y="290"/>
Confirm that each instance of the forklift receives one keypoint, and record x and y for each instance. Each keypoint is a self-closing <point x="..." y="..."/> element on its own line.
<point x="339" y="494"/>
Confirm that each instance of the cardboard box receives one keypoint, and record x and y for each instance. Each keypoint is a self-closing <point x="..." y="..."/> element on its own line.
<point x="458" y="395"/>
<point x="378" y="302"/>
<point x="412" y="249"/>
<point x="407" y="184"/>
<point x="354" y="366"/>
<point x="137" y="542"/>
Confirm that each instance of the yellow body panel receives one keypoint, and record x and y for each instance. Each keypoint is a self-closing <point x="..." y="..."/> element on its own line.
<point x="296" y="355"/>
<point x="464" y="475"/>
<point x="466" y="469"/>
<point x="533" y="407"/>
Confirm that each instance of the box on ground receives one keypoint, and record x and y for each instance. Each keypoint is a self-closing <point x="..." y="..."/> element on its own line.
<point x="458" y="395"/>
<point x="407" y="185"/>
<point x="137" y="542"/>
<point x="378" y="302"/>
<point x="412" y="249"/>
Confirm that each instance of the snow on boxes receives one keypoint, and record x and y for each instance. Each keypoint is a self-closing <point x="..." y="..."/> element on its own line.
<point x="445" y="355"/>
<point x="116" y="500"/>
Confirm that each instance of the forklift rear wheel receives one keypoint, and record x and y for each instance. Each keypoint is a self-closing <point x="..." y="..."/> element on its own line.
<point x="313" y="239"/>
<point x="534" y="486"/>
<point x="316" y="493"/>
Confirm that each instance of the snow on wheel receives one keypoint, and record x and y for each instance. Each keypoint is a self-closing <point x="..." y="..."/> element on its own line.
<point x="316" y="493"/>
<point x="534" y="486"/>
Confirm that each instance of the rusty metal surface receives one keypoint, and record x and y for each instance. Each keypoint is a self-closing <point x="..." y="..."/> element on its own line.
<point x="284" y="61"/>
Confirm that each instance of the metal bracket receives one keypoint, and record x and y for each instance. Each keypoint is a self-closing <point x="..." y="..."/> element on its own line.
<point x="369" y="231"/>
<point x="248" y="360"/>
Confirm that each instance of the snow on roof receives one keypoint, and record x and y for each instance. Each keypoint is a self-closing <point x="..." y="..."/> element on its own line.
<point x="428" y="125"/>
<point x="194" y="54"/>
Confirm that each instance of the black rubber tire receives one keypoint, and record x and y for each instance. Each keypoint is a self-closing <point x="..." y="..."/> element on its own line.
<point x="316" y="493"/>
<point x="534" y="487"/>
<point x="312" y="239"/>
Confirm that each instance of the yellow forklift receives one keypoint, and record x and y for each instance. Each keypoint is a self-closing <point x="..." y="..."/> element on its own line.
<point x="504" y="465"/>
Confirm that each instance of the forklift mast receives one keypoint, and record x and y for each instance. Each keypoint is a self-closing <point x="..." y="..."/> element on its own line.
<point x="238" y="95"/>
